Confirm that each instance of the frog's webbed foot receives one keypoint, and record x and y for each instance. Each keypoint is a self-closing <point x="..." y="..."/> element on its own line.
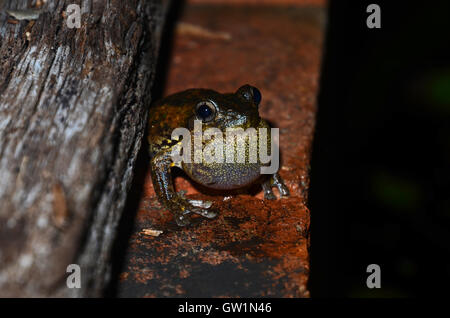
<point x="201" y="204"/>
<point x="181" y="219"/>
<point x="182" y="207"/>
<point x="200" y="207"/>
<point x="274" y="181"/>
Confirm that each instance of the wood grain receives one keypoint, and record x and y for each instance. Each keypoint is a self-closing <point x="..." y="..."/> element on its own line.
<point x="73" y="106"/>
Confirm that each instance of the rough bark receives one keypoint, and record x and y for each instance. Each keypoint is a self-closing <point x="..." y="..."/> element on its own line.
<point x="73" y="104"/>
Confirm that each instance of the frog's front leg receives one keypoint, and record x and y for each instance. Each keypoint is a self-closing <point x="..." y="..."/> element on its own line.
<point x="274" y="181"/>
<point x="180" y="206"/>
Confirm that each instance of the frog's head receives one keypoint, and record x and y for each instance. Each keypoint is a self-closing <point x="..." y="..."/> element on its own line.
<point x="232" y="110"/>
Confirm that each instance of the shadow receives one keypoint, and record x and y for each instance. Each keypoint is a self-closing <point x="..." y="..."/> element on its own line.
<point x="166" y="50"/>
<point x="322" y="251"/>
<point x="380" y="162"/>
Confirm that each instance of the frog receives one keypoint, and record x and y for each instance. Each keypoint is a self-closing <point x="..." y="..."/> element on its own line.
<point x="239" y="109"/>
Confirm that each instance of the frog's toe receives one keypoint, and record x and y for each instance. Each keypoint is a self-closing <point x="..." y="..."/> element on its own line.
<point x="189" y="206"/>
<point x="182" y="220"/>
<point x="205" y="212"/>
<point x="268" y="192"/>
<point x="284" y="191"/>
<point x="202" y="208"/>
<point x="201" y="204"/>
<point x="210" y="214"/>
<point x="274" y="181"/>
<point x="279" y="183"/>
<point x="269" y="195"/>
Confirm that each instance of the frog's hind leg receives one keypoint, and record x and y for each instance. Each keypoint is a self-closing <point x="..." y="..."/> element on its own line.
<point x="274" y="181"/>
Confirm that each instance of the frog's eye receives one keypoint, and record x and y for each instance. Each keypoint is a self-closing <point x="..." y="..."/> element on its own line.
<point x="206" y="111"/>
<point x="250" y="93"/>
<point x="256" y="96"/>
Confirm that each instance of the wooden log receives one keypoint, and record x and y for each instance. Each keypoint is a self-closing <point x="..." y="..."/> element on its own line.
<point x="73" y="106"/>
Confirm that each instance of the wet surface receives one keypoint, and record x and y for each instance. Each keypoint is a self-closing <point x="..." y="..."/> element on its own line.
<point x="254" y="248"/>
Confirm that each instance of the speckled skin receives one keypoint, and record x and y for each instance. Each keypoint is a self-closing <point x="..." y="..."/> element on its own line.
<point x="232" y="110"/>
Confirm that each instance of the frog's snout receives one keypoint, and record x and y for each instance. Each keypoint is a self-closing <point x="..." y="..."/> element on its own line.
<point x="235" y="119"/>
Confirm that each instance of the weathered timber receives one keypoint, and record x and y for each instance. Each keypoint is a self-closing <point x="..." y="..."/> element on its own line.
<point x="73" y="104"/>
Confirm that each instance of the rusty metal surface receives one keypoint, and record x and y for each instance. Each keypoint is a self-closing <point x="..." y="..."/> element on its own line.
<point x="254" y="248"/>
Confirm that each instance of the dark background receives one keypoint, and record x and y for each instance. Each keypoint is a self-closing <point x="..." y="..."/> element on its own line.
<point x="380" y="168"/>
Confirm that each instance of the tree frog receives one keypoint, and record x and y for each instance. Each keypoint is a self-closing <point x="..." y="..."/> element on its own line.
<point x="211" y="109"/>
